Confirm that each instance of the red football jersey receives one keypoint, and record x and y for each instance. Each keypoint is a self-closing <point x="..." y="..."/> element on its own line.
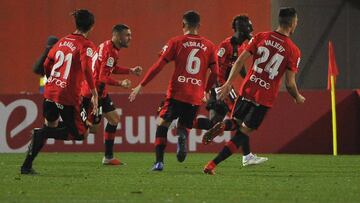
<point x="225" y="58"/>
<point x="273" y="54"/>
<point x="193" y="55"/>
<point x="104" y="64"/>
<point x="66" y="66"/>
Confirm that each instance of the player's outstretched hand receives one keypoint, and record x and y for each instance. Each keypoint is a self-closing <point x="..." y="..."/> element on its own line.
<point x="135" y="92"/>
<point x="125" y="83"/>
<point x="224" y="91"/>
<point x="300" y="99"/>
<point x="137" y="70"/>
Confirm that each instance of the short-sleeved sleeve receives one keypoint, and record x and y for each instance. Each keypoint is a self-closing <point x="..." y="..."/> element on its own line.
<point x="86" y="55"/>
<point x="222" y="51"/>
<point x="168" y="51"/>
<point x="252" y="45"/>
<point x="213" y="56"/>
<point x="294" y="60"/>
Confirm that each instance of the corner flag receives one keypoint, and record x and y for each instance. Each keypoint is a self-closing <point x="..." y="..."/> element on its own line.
<point x="332" y="73"/>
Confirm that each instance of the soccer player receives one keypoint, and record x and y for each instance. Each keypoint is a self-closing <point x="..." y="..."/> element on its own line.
<point x="193" y="55"/>
<point x="274" y="54"/>
<point x="66" y="66"/>
<point x="105" y="64"/>
<point x="228" y="52"/>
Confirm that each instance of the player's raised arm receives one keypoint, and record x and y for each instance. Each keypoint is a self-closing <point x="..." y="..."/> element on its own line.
<point x="239" y="63"/>
<point x="167" y="54"/>
<point x="150" y="74"/>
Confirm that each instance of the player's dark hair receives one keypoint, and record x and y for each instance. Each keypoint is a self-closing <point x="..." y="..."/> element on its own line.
<point x="286" y="16"/>
<point x="119" y="28"/>
<point x="238" y="20"/>
<point x="84" y="19"/>
<point x="191" y="18"/>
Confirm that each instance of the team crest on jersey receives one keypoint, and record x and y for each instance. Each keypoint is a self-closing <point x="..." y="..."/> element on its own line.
<point x="89" y="52"/>
<point x="110" y="62"/>
<point x="221" y="52"/>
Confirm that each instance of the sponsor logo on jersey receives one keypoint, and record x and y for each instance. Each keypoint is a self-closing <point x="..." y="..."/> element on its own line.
<point x="57" y="82"/>
<point x="110" y="62"/>
<point x="221" y="52"/>
<point x="262" y="83"/>
<point x="189" y="80"/>
<point x="89" y="52"/>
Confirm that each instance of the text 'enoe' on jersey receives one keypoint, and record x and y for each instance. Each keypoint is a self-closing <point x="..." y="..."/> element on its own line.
<point x="273" y="54"/>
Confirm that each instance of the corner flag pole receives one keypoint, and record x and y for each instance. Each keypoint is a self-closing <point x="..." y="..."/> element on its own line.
<point x="332" y="73"/>
<point x="333" y="110"/>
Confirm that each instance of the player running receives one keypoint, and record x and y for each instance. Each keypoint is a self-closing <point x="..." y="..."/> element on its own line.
<point x="104" y="65"/>
<point x="274" y="54"/>
<point x="228" y="52"/>
<point x="66" y="66"/>
<point x="193" y="55"/>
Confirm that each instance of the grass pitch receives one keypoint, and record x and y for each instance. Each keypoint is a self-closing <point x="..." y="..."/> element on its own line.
<point x="79" y="177"/>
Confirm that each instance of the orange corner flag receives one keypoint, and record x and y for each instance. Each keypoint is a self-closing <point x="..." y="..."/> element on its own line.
<point x="332" y="69"/>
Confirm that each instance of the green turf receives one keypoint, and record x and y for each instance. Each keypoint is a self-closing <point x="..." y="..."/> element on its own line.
<point x="79" y="177"/>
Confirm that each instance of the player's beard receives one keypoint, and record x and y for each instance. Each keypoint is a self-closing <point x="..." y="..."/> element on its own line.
<point x="124" y="44"/>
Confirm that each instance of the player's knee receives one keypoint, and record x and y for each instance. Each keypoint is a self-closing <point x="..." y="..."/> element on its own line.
<point x="245" y="129"/>
<point x="114" y="121"/>
<point x="182" y="130"/>
<point x="83" y="136"/>
<point x="164" y="123"/>
<point x="161" y="131"/>
<point x="93" y="129"/>
<point x="52" y="123"/>
<point x="113" y="117"/>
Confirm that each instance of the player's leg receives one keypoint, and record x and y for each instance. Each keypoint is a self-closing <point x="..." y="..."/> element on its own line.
<point x="251" y="122"/>
<point x="113" y="119"/>
<point x="240" y="110"/>
<point x="187" y="114"/>
<point x="252" y="115"/>
<point x="93" y="119"/>
<point x="167" y="114"/>
<point x="216" y="111"/>
<point x="51" y="115"/>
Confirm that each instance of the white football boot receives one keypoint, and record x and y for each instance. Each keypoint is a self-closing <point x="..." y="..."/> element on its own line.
<point x="252" y="159"/>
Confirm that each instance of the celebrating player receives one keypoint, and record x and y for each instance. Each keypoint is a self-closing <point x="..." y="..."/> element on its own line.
<point x="274" y="54"/>
<point x="228" y="52"/>
<point x="66" y="66"/>
<point x="193" y="55"/>
<point x="105" y="64"/>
